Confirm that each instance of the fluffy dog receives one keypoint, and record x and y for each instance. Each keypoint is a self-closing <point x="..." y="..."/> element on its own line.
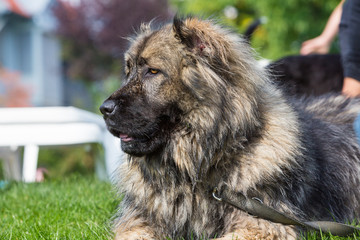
<point x="314" y="74"/>
<point x="195" y="112"/>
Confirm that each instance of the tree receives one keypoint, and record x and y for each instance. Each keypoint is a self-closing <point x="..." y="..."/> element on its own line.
<point x="289" y="22"/>
<point x="93" y="32"/>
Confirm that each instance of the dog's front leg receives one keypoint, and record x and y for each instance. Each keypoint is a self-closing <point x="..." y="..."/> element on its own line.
<point x="133" y="228"/>
<point x="135" y="233"/>
<point x="250" y="228"/>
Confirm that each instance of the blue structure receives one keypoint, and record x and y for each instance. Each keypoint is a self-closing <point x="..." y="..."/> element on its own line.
<point x="28" y="45"/>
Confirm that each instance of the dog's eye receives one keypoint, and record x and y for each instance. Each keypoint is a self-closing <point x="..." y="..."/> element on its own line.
<point x="153" y="71"/>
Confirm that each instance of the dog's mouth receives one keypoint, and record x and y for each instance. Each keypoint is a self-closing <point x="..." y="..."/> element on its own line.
<point x="144" y="136"/>
<point x="125" y="137"/>
<point x="137" y="145"/>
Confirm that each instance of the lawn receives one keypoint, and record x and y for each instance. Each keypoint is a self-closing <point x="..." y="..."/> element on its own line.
<point x="75" y="207"/>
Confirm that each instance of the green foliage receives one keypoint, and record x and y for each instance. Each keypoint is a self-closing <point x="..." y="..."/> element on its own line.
<point x="291" y="23"/>
<point x="216" y="9"/>
<point x="288" y="24"/>
<point x="63" y="161"/>
<point x="73" y="208"/>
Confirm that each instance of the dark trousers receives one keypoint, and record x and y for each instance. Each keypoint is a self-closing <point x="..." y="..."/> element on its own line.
<point x="349" y="35"/>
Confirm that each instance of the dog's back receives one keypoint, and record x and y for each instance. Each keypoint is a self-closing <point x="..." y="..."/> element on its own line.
<point x="332" y="150"/>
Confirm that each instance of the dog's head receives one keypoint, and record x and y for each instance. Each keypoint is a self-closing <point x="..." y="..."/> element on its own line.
<point x="170" y="73"/>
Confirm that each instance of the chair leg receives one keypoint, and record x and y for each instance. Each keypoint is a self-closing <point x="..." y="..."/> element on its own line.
<point x="31" y="153"/>
<point x="11" y="164"/>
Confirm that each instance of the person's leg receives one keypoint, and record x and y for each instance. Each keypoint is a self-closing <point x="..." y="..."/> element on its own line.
<point x="349" y="34"/>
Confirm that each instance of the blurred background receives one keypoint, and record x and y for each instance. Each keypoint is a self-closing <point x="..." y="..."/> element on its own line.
<point x="69" y="52"/>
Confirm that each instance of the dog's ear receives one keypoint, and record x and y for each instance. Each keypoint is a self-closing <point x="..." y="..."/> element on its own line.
<point x="186" y="31"/>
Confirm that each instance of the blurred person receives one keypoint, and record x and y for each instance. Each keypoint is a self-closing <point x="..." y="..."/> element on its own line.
<point x="345" y="19"/>
<point x="321" y="44"/>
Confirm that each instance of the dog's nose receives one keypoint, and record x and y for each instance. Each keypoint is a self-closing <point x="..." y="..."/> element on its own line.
<point x="107" y="108"/>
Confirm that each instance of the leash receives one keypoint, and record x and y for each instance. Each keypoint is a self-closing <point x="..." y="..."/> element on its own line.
<point x="257" y="208"/>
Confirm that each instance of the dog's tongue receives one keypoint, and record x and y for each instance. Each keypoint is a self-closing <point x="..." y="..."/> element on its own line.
<point x="125" y="138"/>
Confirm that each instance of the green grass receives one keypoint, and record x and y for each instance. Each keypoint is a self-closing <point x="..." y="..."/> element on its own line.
<point x="73" y="208"/>
<point x="323" y="236"/>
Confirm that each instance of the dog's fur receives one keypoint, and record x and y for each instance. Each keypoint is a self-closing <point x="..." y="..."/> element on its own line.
<point x="197" y="112"/>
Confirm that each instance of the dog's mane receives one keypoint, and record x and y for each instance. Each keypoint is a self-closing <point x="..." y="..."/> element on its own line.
<point x="225" y="80"/>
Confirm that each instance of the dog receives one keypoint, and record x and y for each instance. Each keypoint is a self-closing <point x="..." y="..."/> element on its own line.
<point x="303" y="75"/>
<point x="196" y="112"/>
<point x="310" y="75"/>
